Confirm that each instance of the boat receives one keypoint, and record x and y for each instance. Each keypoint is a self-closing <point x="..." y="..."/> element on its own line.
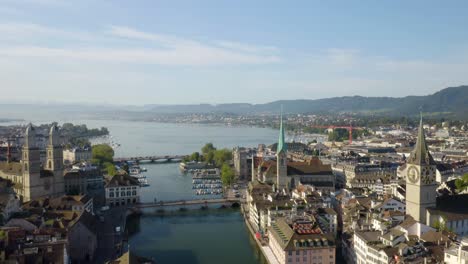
<point x="192" y="166"/>
<point x="143" y="182"/>
<point x="144" y="169"/>
<point x="134" y="170"/>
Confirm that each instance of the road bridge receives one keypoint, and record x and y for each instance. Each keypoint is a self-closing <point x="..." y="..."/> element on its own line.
<point x="155" y="158"/>
<point x="187" y="202"/>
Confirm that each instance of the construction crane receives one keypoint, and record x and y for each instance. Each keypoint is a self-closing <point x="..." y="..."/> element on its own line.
<point x="349" y="128"/>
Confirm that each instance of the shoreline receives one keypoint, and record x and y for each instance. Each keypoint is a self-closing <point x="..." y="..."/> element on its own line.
<point x="268" y="256"/>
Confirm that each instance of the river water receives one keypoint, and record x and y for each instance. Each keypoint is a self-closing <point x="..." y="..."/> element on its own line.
<point x="211" y="237"/>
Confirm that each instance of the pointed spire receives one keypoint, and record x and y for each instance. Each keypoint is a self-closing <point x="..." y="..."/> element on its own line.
<point x="30" y="136"/>
<point x="420" y="154"/>
<point x="281" y="143"/>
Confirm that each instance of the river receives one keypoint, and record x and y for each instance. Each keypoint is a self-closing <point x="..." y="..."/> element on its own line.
<point x="211" y="237"/>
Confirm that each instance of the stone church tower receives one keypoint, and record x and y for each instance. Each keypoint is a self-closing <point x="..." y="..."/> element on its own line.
<point x="31" y="163"/>
<point x="54" y="161"/>
<point x="420" y="179"/>
<point x="281" y="160"/>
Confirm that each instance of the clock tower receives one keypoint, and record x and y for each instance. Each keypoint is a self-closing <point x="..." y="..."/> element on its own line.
<point x="420" y="179"/>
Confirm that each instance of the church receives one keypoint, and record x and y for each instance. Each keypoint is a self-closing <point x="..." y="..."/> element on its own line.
<point x="286" y="175"/>
<point x="422" y="202"/>
<point x="32" y="179"/>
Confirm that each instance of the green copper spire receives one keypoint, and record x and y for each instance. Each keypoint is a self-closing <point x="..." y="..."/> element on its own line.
<point x="281" y="144"/>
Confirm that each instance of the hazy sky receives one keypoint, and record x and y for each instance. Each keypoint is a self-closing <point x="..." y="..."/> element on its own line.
<point x="167" y="52"/>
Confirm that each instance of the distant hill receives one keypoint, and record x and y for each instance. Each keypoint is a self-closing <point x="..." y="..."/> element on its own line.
<point x="449" y="102"/>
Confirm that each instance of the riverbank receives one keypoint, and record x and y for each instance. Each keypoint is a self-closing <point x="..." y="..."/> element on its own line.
<point x="265" y="249"/>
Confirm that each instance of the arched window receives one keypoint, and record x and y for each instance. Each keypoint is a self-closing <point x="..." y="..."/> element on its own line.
<point x="50" y="164"/>
<point x="25" y="167"/>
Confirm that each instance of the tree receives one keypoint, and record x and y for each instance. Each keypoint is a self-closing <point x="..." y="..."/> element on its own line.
<point x="110" y="168"/>
<point x="461" y="184"/>
<point x="195" y="156"/>
<point x="101" y="154"/>
<point x="209" y="157"/>
<point x="208" y="148"/>
<point x="227" y="174"/>
<point x="221" y="156"/>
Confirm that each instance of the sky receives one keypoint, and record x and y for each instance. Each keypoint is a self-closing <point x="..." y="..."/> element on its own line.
<point x="191" y="52"/>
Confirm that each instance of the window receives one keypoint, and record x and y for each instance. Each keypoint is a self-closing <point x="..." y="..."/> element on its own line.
<point x="128" y="193"/>
<point x="134" y="193"/>
<point x="290" y="253"/>
<point x="297" y="253"/>
<point x="111" y="194"/>
<point x="122" y="194"/>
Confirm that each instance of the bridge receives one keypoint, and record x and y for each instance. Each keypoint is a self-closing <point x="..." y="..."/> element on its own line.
<point x="156" y="158"/>
<point x="186" y="202"/>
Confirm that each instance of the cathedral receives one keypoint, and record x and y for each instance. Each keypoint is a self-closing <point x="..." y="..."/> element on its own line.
<point x="32" y="179"/>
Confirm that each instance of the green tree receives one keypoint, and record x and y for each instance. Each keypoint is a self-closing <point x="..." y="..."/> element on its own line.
<point x="338" y="134"/>
<point x="195" y="156"/>
<point x="208" y="157"/>
<point x="227" y="175"/>
<point x="208" y="148"/>
<point x="101" y="154"/>
<point x="461" y="184"/>
<point x="110" y="168"/>
<point x="221" y="156"/>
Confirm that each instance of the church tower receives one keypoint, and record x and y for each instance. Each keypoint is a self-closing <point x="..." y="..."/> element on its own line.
<point x="281" y="160"/>
<point x="54" y="161"/>
<point x="31" y="163"/>
<point x="420" y="179"/>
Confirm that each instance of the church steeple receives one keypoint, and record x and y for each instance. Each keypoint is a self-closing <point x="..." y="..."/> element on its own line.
<point x="420" y="154"/>
<point x="281" y="159"/>
<point x="281" y="144"/>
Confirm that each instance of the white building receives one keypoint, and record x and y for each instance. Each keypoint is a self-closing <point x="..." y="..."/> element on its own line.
<point x="122" y="190"/>
<point x="71" y="156"/>
<point x="457" y="254"/>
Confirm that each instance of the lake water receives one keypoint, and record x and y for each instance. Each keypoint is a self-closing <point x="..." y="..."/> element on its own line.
<point x="213" y="236"/>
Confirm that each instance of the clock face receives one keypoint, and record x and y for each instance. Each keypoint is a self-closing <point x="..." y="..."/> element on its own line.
<point x="427" y="177"/>
<point x="413" y="174"/>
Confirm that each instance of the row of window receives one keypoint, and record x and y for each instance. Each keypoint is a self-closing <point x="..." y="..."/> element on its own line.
<point x="123" y="188"/>
<point x="122" y="194"/>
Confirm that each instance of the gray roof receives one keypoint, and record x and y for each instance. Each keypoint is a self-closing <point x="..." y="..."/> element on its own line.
<point x="420" y="154"/>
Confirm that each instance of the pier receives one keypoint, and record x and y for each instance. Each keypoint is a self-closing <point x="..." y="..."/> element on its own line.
<point x="187" y="202"/>
<point x="152" y="159"/>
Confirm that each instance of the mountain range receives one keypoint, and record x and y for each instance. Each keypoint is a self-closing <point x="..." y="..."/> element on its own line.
<point x="448" y="102"/>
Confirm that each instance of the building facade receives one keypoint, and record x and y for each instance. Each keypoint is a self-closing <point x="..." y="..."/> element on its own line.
<point x="32" y="179"/>
<point x="421" y="182"/>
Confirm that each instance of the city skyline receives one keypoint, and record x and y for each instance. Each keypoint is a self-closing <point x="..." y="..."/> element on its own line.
<point x="209" y="52"/>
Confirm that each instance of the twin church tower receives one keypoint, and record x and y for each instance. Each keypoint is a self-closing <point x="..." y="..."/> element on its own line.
<point x="40" y="180"/>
